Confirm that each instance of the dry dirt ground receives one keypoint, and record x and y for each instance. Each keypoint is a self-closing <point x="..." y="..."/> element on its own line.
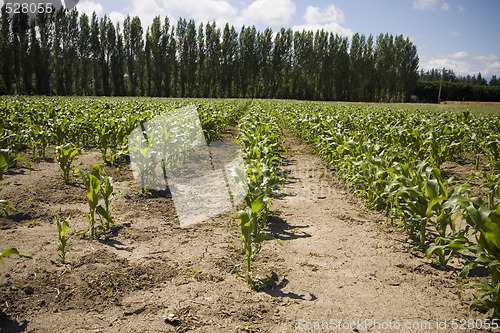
<point x="340" y="265"/>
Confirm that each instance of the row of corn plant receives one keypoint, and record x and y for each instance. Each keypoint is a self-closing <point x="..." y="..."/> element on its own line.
<point x="34" y="123"/>
<point x="399" y="171"/>
<point x="167" y="140"/>
<point x="261" y="139"/>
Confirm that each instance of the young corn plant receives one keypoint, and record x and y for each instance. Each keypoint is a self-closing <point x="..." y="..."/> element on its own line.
<point x="62" y="228"/>
<point x="417" y="192"/>
<point x="144" y="161"/>
<point x="102" y="139"/>
<point x="65" y="155"/>
<point x="93" y="202"/>
<point x="5" y="206"/>
<point x="7" y="160"/>
<point x="252" y="245"/>
<point x="39" y="138"/>
<point x="446" y="208"/>
<point x="107" y="194"/>
<point x="96" y="189"/>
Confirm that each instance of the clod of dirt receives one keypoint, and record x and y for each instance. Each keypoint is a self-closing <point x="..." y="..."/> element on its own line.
<point x="134" y="311"/>
<point x="28" y="290"/>
<point x="172" y="320"/>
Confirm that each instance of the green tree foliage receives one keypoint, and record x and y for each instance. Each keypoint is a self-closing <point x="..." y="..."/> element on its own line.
<point x="428" y="92"/>
<point x="228" y="61"/>
<point x="84" y="52"/>
<point x="65" y="53"/>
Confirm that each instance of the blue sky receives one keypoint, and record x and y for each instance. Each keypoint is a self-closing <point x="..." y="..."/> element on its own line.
<point x="463" y="35"/>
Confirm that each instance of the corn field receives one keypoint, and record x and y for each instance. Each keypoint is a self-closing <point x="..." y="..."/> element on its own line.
<point x="395" y="160"/>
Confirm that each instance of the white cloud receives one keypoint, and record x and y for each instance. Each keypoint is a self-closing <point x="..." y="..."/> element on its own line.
<point x="201" y="9"/>
<point x="485" y="58"/>
<point x="117" y="17"/>
<point x="88" y="7"/>
<point x="454" y="33"/>
<point x="446" y="61"/>
<point x="461" y="9"/>
<point x="430" y="4"/>
<point x="424" y="4"/>
<point x="459" y="55"/>
<point x="463" y="64"/>
<point x="329" y="20"/>
<point x="329" y="27"/>
<point x="271" y="12"/>
<point x="146" y="10"/>
<point x="332" y="14"/>
<point x="491" y="69"/>
<point x="267" y="12"/>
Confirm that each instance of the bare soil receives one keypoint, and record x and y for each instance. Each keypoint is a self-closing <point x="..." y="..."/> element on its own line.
<point x="338" y="261"/>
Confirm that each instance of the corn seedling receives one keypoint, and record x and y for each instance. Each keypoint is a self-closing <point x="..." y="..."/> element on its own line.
<point x="7" y="160"/>
<point x="252" y="242"/>
<point x="62" y="228"/>
<point x="107" y="194"/>
<point x="65" y="155"/>
<point x="96" y="189"/>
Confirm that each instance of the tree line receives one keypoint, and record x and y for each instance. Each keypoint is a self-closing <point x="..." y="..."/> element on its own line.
<point x="455" y="88"/>
<point x="447" y="75"/>
<point x="64" y="53"/>
<point x="428" y="92"/>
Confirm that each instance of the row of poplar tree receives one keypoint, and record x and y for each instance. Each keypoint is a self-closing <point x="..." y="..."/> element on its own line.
<point x="64" y="53"/>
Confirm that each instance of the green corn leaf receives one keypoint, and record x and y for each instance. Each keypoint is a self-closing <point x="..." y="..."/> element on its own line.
<point x="483" y="260"/>
<point x="455" y="200"/>
<point x="432" y="204"/>
<point x="473" y="217"/>
<point x="101" y="211"/>
<point x="464" y="273"/>
<point x="244" y="218"/>
<point x="476" y="249"/>
<point x="64" y="229"/>
<point x="456" y="246"/>
<point x="433" y="249"/>
<point x="6" y="204"/>
<point x="13" y="251"/>
<point x="258" y="204"/>
<point x="96" y="171"/>
<point x="491" y="233"/>
<point x="94" y="182"/>
<point x="432" y="188"/>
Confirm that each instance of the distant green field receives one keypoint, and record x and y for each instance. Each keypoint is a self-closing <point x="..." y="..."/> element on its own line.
<point x="478" y="109"/>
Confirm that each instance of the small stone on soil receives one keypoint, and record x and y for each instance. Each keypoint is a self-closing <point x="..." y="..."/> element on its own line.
<point x="172" y="320"/>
